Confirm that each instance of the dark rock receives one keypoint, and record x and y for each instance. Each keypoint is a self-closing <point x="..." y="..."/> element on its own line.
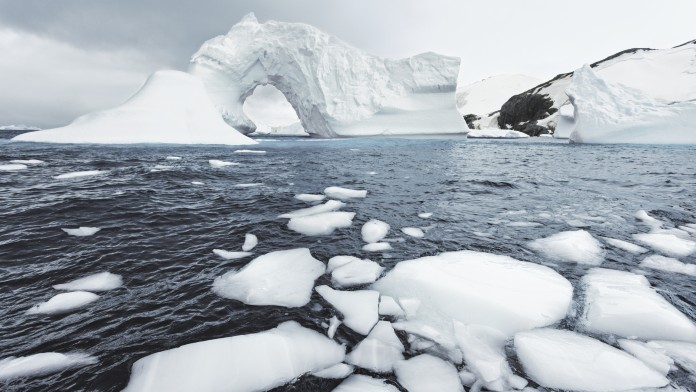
<point x="470" y="118"/>
<point x="524" y="109"/>
<point x="535" y="130"/>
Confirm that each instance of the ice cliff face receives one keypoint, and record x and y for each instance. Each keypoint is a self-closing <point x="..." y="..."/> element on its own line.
<point x="336" y="89"/>
<point x="607" y="112"/>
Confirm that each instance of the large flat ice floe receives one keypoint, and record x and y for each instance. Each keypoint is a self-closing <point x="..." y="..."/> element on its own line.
<point x="245" y="363"/>
<point x="569" y="361"/>
<point x="42" y="364"/>
<point x="336" y="89"/>
<point x="479" y="288"/>
<point x="171" y="107"/>
<point x="282" y="278"/>
<point x="570" y="246"/>
<point x="427" y="373"/>
<point x="624" y="304"/>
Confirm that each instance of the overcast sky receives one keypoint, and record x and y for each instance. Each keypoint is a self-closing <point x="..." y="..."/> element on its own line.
<point x="62" y="58"/>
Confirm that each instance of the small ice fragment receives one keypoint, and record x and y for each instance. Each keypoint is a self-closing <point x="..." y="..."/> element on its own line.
<point x="356" y="272"/>
<point x="172" y="158"/>
<point x="215" y="163"/>
<point x="359" y="308"/>
<point x="648" y="220"/>
<point x="377" y="247"/>
<point x="362" y="383"/>
<point x="163" y="167"/>
<point x="649" y="355"/>
<point x="321" y="224"/>
<point x="227" y="255"/>
<point x="625" y="245"/>
<point x="341" y="370"/>
<point x="196" y="183"/>
<point x="309" y="198"/>
<point x="82" y="231"/>
<point x="249" y="152"/>
<point x="331" y="205"/>
<point x="250" y="241"/>
<point x="413" y="232"/>
<point x="427" y="373"/>
<point x="249" y="185"/>
<point x="425" y="215"/>
<point x="42" y="364"/>
<point x="389" y="307"/>
<point x="372" y="173"/>
<point x="64" y="303"/>
<point x="570" y="246"/>
<point x="669" y="244"/>
<point x="334" y="323"/>
<point x="523" y="224"/>
<point x="379" y="351"/>
<point x="374" y="230"/>
<point x="668" y="264"/>
<point x="78" y="174"/>
<point x="336" y="192"/>
<point x="13" y="167"/>
<point x="27" y="161"/>
<point x="103" y="281"/>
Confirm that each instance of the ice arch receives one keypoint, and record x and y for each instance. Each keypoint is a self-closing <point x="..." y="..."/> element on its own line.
<point x="336" y="89"/>
<point x="271" y="112"/>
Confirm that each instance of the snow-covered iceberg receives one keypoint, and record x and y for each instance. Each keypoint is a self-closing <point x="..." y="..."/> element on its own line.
<point x="171" y="107"/>
<point x="336" y="89"/>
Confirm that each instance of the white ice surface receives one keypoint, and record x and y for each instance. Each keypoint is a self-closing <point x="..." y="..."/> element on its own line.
<point x="668" y="264"/>
<point x="309" y="198"/>
<point x="426" y="373"/>
<point x="282" y="278"/>
<point x="42" y="364"/>
<point x="389" y="307"/>
<point x="425" y="215"/>
<point x="359" y="308"/>
<point x="336" y="192"/>
<point x="245" y="363"/>
<point x="624" y="304"/>
<point x="377" y="247"/>
<point x="227" y="255"/>
<point x="413" y="232"/>
<point x="334" y="323"/>
<point x="682" y="353"/>
<point x="492" y="133"/>
<point x="173" y="158"/>
<point x="570" y="246"/>
<point x="649" y="354"/>
<point x="78" y="174"/>
<point x="374" y="230"/>
<point x="569" y="361"/>
<point x="339" y="261"/>
<point x="216" y="163"/>
<point x="331" y="205"/>
<point x="13" y="167"/>
<point x="625" y="245"/>
<point x="82" y="231"/>
<point x="342" y="370"/>
<point x="669" y="244"/>
<point x="356" y="272"/>
<point x="379" y="351"/>
<point x="361" y="383"/>
<point x="103" y="281"/>
<point x="64" y="303"/>
<point x="321" y="224"/>
<point x="27" y="161"/>
<point x="250" y="242"/>
<point x="250" y="152"/>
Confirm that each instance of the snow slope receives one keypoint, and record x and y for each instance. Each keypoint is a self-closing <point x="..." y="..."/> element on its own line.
<point x="336" y="89"/>
<point x="488" y="95"/>
<point x="171" y="107"/>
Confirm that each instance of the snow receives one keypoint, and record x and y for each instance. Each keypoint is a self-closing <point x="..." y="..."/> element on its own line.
<point x="64" y="303"/>
<point x="426" y="373"/>
<point x="103" y="281"/>
<point x="341" y="370"/>
<point x="13" y="167"/>
<point x="488" y="95"/>
<point x="331" y="205"/>
<point x="379" y="351"/>
<point x="649" y="354"/>
<point x="359" y="308"/>
<point x="171" y="107"/>
<point x="250" y="242"/>
<point x="356" y="272"/>
<point x="425" y="215"/>
<point x="362" y="383"/>
<point x="682" y="353"/>
<point x="669" y="244"/>
<point x="216" y="164"/>
<point x="82" y="231"/>
<point x="607" y="112"/>
<point x="336" y="89"/>
<point x="413" y="232"/>
<point x="571" y="247"/>
<point x="282" y="278"/>
<point x="389" y="307"/>
<point x="245" y="363"/>
<point x="336" y="192"/>
<point x="478" y="288"/>
<point x="492" y="133"/>
<point x="624" y="304"/>
<point x="569" y="361"/>
<point x="42" y="364"/>
<point x="321" y="224"/>
<point x="27" y="161"/>
<point x="249" y="152"/>
<point x="625" y="245"/>
<point x="78" y="174"/>
<point x="309" y="198"/>
<point x="377" y="247"/>
<point x="668" y="264"/>
<point x="227" y="255"/>
<point x="374" y="230"/>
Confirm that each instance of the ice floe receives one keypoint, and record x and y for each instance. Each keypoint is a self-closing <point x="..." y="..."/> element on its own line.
<point x="338" y="261"/>
<point x="173" y="158"/>
<point x="570" y="246"/>
<point x="215" y="163"/>
<point x="359" y="308"/>
<point x="427" y="373"/>
<point x="248" y="185"/>
<point x="648" y="353"/>
<point x="356" y="272"/>
<point x="78" y="174"/>
<point x="64" y="303"/>
<point x="196" y="183"/>
<point x="13" y="167"/>
<point x="27" y="161"/>
<point x="377" y="247"/>
<point x="625" y="245"/>
<point x="245" y="363"/>
<point x="336" y="192"/>
<point x="42" y="364"/>
<point x="227" y="255"/>
<point x="309" y="198"/>
<point x="624" y="304"/>
<point x="82" y="231"/>
<point x="331" y="205"/>
<point x="103" y="281"/>
<point x="425" y="215"/>
<point x="282" y="278"/>
<point x="249" y="152"/>
<point x="342" y="370"/>
<point x="389" y="307"/>
<point x="321" y="224"/>
<point x="413" y="232"/>
<point x="682" y="353"/>
<point x="374" y="230"/>
<point x="668" y="264"/>
<point x="250" y="242"/>
<point x="669" y="244"/>
<point x="569" y="361"/>
<point x="362" y="383"/>
<point x="379" y="351"/>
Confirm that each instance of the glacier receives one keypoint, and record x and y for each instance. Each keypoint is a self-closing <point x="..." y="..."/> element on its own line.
<point x="335" y="88"/>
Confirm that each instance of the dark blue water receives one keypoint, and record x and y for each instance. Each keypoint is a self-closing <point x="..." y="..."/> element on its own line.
<point x="158" y="230"/>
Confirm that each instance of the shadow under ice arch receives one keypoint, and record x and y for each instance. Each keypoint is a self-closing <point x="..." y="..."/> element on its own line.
<point x="336" y="89"/>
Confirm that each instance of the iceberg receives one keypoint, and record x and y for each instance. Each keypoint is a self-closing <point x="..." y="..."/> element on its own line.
<point x="171" y="107"/>
<point x="571" y="247"/>
<point x="335" y="89"/>
<point x="359" y="308"/>
<point x="64" y="303"/>
<point x="42" y="364"/>
<point x="245" y="363"/>
<point x="103" y="281"/>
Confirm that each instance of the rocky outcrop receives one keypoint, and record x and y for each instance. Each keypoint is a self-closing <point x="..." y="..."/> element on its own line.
<point x="522" y="111"/>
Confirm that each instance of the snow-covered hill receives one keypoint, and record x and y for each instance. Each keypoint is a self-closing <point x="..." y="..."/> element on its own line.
<point x="336" y="89"/>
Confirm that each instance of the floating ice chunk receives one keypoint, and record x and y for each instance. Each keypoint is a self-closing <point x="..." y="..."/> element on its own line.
<point x="250" y="242"/>
<point x="374" y="230"/>
<point x="282" y="278"/>
<point x="570" y="361"/>
<point x="227" y="255"/>
<point x="254" y="362"/>
<point x="336" y="192"/>
<point x="669" y="244"/>
<point x="648" y="220"/>
<point x="321" y="224"/>
<point x="215" y="163"/>
<point x="249" y="152"/>
<point x="160" y="168"/>
<point x="359" y="308"/>
<point x="361" y="383"/>
<point x="103" y="281"/>
<point x="379" y="351"/>
<point x="341" y="370"/>
<point x="479" y="288"/>
<point x="389" y="307"/>
<point x="82" y="231"/>
<point x="683" y="353"/>
<point x="78" y="174"/>
<point x="13" y="167"/>
<point x="338" y="261"/>
<point x="27" y="161"/>
<point x="668" y="264"/>
<point x="624" y="304"/>
<point x="42" y="364"/>
<point x="648" y="354"/>
<point x="173" y="158"/>
<point x="196" y="183"/>
<point x="426" y="373"/>
<point x="523" y="224"/>
<point x="331" y="205"/>
<point x="570" y="246"/>
<point x="334" y="323"/>
<point x="309" y="198"/>
<point x="64" y="303"/>
<point x="424" y="337"/>
<point x="356" y="272"/>
<point x="249" y="185"/>
<point x="425" y="215"/>
<point x="413" y="232"/>
<point x="624" y="245"/>
<point x="377" y="247"/>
